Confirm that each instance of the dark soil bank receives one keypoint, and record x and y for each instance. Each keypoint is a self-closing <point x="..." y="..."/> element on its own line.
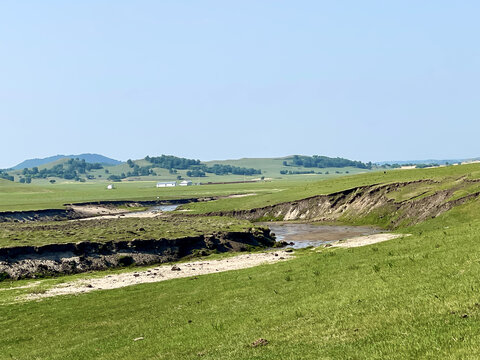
<point x="357" y="203"/>
<point x="55" y="259"/>
<point x="71" y="214"/>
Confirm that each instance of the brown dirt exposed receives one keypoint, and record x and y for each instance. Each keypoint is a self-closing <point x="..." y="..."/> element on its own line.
<point x="162" y="273"/>
<point x="69" y="258"/>
<point x="359" y="202"/>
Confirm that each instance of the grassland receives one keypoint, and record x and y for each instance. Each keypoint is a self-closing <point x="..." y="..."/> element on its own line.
<point x="415" y="297"/>
<point x="103" y="230"/>
<point x="410" y="298"/>
<point x="14" y="196"/>
<point x="270" y="169"/>
<point x="444" y="176"/>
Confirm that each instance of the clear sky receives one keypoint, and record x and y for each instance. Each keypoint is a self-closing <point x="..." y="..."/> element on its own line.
<point x="366" y="80"/>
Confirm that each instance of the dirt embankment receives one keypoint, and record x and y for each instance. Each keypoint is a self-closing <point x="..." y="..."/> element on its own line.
<point x="28" y="261"/>
<point x="88" y="209"/>
<point x="359" y="202"/>
<point x="40" y="215"/>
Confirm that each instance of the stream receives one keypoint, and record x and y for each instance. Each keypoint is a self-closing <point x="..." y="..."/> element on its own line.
<point x="304" y="235"/>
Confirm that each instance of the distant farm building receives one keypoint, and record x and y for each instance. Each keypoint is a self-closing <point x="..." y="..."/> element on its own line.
<point x="186" y="183"/>
<point x="166" y="184"/>
<point x="110" y="187"/>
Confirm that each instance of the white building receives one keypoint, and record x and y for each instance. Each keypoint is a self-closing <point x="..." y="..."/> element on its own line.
<point x="186" y="183"/>
<point x="166" y="184"/>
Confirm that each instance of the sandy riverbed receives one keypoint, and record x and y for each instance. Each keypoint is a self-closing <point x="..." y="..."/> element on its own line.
<point x="190" y="269"/>
<point x="162" y="273"/>
<point x="366" y="240"/>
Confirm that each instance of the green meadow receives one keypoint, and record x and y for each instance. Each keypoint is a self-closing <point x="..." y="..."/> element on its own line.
<point x="15" y="196"/>
<point x="270" y="168"/>
<point x="415" y="297"/>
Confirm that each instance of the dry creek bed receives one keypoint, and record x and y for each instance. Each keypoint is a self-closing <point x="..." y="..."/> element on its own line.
<point x="188" y="269"/>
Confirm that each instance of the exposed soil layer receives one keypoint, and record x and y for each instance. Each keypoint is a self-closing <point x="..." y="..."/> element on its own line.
<point x="68" y="258"/>
<point x="83" y="210"/>
<point x="40" y="215"/>
<point x="360" y="202"/>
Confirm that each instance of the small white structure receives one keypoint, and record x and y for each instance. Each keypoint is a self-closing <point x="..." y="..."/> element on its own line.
<point x="110" y="187"/>
<point x="186" y="183"/>
<point x="166" y="184"/>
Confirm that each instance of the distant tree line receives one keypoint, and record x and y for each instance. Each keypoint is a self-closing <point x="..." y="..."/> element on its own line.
<point x="70" y="170"/>
<point x="139" y="170"/>
<point x="196" y="168"/>
<point x="6" y="176"/>
<point x="423" y="166"/>
<point x="391" y="166"/>
<point x="196" y="173"/>
<point x="316" y="161"/>
<point x="228" y="169"/>
<point x="296" y="172"/>
<point x="172" y="162"/>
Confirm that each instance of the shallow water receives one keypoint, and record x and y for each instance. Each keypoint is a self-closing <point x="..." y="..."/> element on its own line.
<point x="164" y="208"/>
<point x="304" y="235"/>
<point x="156" y="209"/>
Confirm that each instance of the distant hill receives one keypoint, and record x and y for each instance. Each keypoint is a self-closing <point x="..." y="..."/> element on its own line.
<point x="89" y="158"/>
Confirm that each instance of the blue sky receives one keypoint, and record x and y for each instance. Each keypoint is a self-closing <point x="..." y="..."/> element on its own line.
<point x="367" y="80"/>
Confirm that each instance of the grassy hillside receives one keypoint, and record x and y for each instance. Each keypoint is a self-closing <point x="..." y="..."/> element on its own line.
<point x="105" y="230"/>
<point x="409" y="298"/>
<point x="445" y="176"/>
<point x="88" y="157"/>
<point x="270" y="167"/>
<point x="14" y="196"/>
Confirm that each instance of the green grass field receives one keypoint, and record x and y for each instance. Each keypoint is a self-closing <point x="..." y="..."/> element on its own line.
<point x="14" y="196"/>
<point x="123" y="229"/>
<point x="415" y="297"/>
<point x="270" y="169"/>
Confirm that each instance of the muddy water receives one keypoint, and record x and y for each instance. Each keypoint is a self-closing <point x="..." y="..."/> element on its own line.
<point x="304" y="235"/>
<point x="157" y="209"/>
<point x="165" y="207"/>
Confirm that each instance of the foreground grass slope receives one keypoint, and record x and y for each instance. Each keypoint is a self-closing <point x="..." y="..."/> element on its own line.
<point x="415" y="297"/>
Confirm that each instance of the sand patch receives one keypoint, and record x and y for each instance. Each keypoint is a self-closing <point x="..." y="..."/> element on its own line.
<point x="239" y="195"/>
<point x="94" y="210"/>
<point x="99" y="212"/>
<point x="366" y="240"/>
<point x="161" y="273"/>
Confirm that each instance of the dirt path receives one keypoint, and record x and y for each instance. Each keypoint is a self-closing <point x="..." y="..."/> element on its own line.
<point x="162" y="273"/>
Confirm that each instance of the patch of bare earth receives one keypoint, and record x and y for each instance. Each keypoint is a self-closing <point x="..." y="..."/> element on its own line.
<point x="94" y="210"/>
<point x="366" y="240"/>
<point x="161" y="273"/>
<point x="239" y="195"/>
<point x="99" y="212"/>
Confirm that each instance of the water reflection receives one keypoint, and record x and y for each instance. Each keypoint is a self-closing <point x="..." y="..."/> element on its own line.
<point x="304" y="235"/>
